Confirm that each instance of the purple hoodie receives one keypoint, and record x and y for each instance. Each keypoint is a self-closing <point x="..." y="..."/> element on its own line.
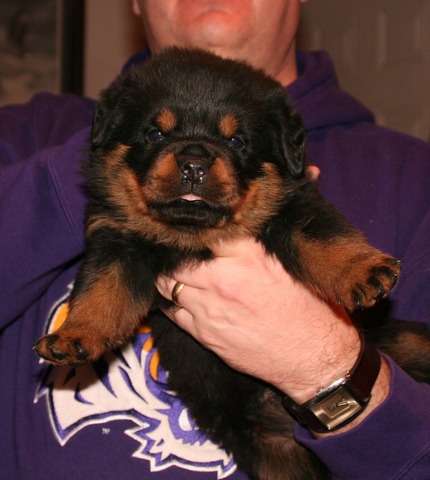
<point x="116" y="419"/>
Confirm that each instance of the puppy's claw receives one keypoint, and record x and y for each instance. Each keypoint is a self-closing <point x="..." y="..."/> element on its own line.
<point x="379" y="290"/>
<point x="81" y="354"/>
<point x="357" y="299"/>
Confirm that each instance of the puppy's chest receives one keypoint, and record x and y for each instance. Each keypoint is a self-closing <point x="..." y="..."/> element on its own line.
<point x="165" y="259"/>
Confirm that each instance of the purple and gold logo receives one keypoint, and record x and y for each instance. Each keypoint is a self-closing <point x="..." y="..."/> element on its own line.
<point x="129" y="385"/>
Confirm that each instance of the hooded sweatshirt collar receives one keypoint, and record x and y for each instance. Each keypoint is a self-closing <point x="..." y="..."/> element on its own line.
<point x="317" y="96"/>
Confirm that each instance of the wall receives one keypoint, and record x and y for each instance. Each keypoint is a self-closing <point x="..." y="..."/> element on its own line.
<point x="112" y="34"/>
<point x="381" y="49"/>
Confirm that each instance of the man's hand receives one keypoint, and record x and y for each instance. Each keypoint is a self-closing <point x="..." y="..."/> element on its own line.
<point x="247" y="309"/>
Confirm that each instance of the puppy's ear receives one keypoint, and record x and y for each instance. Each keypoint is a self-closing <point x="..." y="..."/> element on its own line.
<point x="101" y="120"/>
<point x="291" y="140"/>
<point x="107" y="116"/>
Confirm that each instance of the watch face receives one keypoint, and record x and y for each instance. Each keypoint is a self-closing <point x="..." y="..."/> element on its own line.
<point x="336" y="408"/>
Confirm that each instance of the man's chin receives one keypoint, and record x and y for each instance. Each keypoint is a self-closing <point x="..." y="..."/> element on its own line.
<point x="220" y="32"/>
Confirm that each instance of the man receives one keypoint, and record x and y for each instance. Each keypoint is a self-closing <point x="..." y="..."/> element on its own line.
<point x="243" y="306"/>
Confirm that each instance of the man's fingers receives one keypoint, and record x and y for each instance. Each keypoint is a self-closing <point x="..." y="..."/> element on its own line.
<point x="314" y="172"/>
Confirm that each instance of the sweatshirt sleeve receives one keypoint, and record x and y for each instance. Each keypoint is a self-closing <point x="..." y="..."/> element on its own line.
<point x="393" y="442"/>
<point x="42" y="199"/>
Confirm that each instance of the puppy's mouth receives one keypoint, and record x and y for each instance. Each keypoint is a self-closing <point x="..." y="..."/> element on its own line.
<point x="192" y="198"/>
<point x="190" y="212"/>
<point x="192" y="189"/>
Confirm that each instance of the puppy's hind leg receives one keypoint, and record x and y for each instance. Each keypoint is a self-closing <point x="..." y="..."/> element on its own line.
<point x="407" y="343"/>
<point x="281" y="456"/>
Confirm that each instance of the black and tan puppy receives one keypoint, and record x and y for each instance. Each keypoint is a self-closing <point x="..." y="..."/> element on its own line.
<point x="187" y="151"/>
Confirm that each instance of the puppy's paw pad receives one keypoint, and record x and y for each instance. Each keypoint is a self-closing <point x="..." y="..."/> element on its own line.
<point x="61" y="350"/>
<point x="381" y="279"/>
<point x="81" y="353"/>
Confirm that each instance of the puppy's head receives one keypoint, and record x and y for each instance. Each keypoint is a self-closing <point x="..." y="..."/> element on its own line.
<point x="192" y="148"/>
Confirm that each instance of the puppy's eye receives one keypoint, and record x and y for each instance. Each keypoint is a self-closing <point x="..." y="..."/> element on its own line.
<point x="155" y="136"/>
<point x="236" y="142"/>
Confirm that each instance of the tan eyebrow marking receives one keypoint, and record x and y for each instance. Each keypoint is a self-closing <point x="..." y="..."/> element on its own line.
<point x="228" y="125"/>
<point x="166" y="120"/>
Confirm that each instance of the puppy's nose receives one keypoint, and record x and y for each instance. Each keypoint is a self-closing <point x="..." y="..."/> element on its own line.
<point x="194" y="162"/>
<point x="193" y="170"/>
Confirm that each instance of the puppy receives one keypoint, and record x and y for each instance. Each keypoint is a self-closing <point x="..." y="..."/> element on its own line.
<point x="187" y="151"/>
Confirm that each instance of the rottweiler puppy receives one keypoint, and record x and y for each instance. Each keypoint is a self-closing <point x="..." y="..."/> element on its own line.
<point x="187" y="151"/>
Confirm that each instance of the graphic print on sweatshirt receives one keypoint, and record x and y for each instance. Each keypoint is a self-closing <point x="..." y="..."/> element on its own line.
<point x="128" y="385"/>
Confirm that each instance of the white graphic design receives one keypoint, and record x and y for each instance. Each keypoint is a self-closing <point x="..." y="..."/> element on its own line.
<point x="129" y="384"/>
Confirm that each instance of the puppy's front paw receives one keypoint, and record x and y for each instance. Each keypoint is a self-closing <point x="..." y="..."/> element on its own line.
<point x="380" y="279"/>
<point x="62" y="349"/>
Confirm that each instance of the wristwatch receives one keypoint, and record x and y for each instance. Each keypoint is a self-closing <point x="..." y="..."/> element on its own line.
<point x="338" y="404"/>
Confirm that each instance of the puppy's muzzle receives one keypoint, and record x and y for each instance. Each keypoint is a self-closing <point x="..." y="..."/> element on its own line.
<point x="194" y="162"/>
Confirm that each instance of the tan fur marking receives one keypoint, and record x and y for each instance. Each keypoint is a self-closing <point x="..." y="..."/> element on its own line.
<point x="114" y="158"/>
<point x="166" y="120"/>
<point x="336" y="267"/>
<point x="221" y="184"/>
<point x="261" y="201"/>
<point x="100" y="318"/>
<point x="222" y="171"/>
<point x="129" y="197"/>
<point x="329" y="265"/>
<point x="96" y="222"/>
<point x="228" y="125"/>
<point x="107" y="302"/>
<point x="124" y="191"/>
<point x="164" y="166"/>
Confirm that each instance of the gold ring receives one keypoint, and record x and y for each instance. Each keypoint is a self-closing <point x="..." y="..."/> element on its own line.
<point x="175" y="293"/>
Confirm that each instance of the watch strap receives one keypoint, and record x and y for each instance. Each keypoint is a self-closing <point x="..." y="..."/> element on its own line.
<point x="343" y="400"/>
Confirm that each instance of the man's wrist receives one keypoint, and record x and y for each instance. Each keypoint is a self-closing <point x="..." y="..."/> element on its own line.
<point x="339" y="403"/>
<point x="324" y="363"/>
